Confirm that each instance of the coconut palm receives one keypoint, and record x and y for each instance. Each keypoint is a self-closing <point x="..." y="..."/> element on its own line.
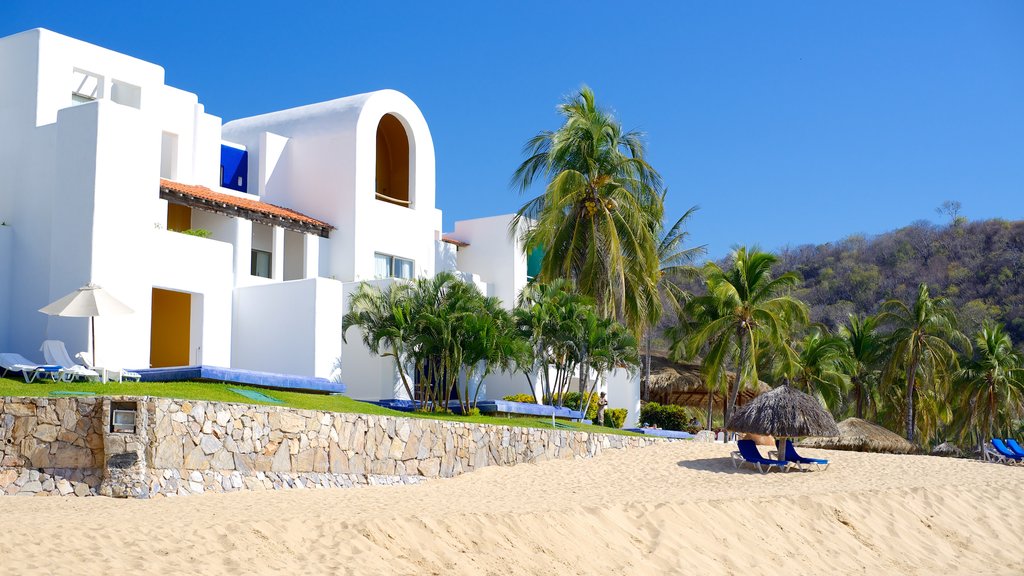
<point x="747" y="311"/>
<point x="864" y="344"/>
<point x="675" y="262"/>
<point x="819" y="367"/>
<point x="922" y="341"/>
<point x="992" y="383"/>
<point x="597" y="216"/>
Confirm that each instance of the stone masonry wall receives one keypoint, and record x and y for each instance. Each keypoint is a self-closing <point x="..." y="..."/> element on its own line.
<point x="185" y="447"/>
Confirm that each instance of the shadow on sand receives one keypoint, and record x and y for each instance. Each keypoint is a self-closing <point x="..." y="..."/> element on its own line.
<point x="719" y="465"/>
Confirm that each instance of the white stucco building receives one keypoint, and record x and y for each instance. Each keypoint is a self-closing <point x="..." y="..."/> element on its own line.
<point x="103" y="167"/>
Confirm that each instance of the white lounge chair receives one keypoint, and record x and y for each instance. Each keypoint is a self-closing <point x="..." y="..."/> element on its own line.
<point x="55" y="353"/>
<point x="12" y="362"/>
<point x="119" y="374"/>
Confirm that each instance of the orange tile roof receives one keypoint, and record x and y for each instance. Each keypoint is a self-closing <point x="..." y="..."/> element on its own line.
<point x="455" y="241"/>
<point x="270" y="211"/>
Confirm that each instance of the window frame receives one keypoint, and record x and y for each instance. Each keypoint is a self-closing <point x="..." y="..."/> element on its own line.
<point x="393" y="266"/>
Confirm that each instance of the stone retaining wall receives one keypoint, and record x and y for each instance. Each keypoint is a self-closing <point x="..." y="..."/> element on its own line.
<point x="67" y="447"/>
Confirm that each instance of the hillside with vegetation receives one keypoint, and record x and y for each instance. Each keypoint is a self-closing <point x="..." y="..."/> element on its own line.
<point x="978" y="266"/>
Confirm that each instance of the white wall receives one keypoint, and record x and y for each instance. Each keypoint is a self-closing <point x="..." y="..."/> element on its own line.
<point x="6" y="248"/>
<point x="494" y="255"/>
<point x="327" y="169"/>
<point x="289" y="327"/>
<point x="624" y="392"/>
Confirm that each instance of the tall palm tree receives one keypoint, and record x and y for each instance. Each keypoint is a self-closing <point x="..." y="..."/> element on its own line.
<point x="675" y="262"/>
<point x="992" y="383"/>
<point x="922" y="341"/>
<point x="748" y="311"/>
<point x="819" y="367"/>
<point x="864" y="344"/>
<point x="596" y="218"/>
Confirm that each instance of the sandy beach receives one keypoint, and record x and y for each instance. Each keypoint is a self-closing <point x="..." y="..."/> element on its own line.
<point x="671" y="508"/>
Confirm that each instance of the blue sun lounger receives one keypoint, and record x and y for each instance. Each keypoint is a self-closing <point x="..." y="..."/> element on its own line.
<point x="749" y="454"/>
<point x="800" y="461"/>
<point x="1014" y="447"/>
<point x="1000" y="453"/>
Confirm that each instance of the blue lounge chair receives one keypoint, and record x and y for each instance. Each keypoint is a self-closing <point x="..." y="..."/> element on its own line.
<point x="1014" y="447"/>
<point x="800" y="461"/>
<point x="749" y="454"/>
<point x="1000" y="453"/>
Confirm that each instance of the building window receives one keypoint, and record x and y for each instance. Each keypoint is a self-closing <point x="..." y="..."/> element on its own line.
<point x="260" y="264"/>
<point x="85" y="86"/>
<point x="386" y="266"/>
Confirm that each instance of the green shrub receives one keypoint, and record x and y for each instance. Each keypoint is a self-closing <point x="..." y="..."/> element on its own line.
<point x="669" y="416"/>
<point x="473" y="412"/>
<point x="200" y="232"/>
<point x="615" y="417"/>
<point x="525" y="398"/>
<point x="576" y="400"/>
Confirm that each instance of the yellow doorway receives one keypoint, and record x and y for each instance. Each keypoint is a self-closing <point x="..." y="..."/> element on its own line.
<point x="171" y="326"/>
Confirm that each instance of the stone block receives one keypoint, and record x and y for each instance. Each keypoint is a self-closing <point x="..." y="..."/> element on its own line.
<point x="288" y="422"/>
<point x="431" y="467"/>
<point x="18" y="409"/>
<point x="209" y="444"/>
<point x="282" y="461"/>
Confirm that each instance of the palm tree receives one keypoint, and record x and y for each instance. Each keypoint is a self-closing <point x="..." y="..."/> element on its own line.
<point x="992" y="383"/>
<point x="597" y="216"/>
<point x="675" y="262"/>
<point x="865" y="348"/>
<point x="386" y="323"/>
<point x="922" y="342"/>
<point x="551" y="317"/>
<point x="747" y="311"/>
<point x="819" y="367"/>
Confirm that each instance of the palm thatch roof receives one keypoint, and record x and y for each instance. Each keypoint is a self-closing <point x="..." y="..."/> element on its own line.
<point x="862" y="436"/>
<point x="785" y="412"/>
<point x="947" y="449"/>
<point x="681" y="383"/>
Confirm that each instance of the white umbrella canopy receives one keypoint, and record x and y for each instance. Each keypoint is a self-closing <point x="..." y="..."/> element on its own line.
<point x="88" y="301"/>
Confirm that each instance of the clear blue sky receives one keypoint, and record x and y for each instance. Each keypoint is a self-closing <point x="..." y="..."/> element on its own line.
<point x="786" y="122"/>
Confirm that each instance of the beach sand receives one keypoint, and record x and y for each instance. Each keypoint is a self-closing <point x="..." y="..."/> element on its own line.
<point x="672" y="508"/>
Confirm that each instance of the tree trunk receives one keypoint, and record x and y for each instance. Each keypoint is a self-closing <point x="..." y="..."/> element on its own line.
<point x="911" y="421"/>
<point x="860" y="397"/>
<point x="738" y="381"/>
<point x="645" y="389"/>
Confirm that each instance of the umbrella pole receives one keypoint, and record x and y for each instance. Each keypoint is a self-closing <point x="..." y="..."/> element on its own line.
<point x="92" y="329"/>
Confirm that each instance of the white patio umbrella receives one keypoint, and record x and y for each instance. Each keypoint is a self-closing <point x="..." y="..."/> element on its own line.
<point x="89" y="301"/>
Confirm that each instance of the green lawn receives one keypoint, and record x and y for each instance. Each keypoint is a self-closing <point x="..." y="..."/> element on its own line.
<point x="220" y="392"/>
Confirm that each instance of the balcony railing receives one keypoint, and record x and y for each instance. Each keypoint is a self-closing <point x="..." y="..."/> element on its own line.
<point x="391" y="200"/>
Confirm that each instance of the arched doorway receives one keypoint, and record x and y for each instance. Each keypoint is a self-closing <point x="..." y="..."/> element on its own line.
<point x="392" y="183"/>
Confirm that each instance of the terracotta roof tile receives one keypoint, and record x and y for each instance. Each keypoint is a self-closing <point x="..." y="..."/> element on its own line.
<point x="253" y="205"/>
<point x="455" y="241"/>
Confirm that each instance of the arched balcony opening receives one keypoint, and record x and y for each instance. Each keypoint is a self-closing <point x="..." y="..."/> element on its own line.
<point x="392" y="181"/>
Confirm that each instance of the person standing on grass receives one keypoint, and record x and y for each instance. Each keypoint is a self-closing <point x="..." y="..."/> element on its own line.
<point x="601" y="403"/>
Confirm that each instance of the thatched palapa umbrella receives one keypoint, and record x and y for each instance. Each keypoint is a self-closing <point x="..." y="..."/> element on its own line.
<point x="682" y="384"/>
<point x="785" y="412"/>
<point x="862" y="436"/>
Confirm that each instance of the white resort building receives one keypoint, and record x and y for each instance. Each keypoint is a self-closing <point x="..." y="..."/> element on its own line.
<point x="107" y="175"/>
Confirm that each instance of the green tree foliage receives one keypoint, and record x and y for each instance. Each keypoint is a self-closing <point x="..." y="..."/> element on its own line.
<point x="922" y="340"/>
<point x="978" y="266"/>
<point x="990" y="387"/>
<point x="744" y="313"/>
<point x="597" y="216"/>
<point x="865" y="350"/>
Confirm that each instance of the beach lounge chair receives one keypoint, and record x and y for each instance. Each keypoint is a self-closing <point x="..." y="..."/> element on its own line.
<point x="800" y="461"/>
<point x="55" y="353"/>
<point x="119" y="374"/>
<point x="11" y="362"/>
<point x="1002" y="453"/>
<point x="749" y="454"/>
<point x="1014" y="447"/>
